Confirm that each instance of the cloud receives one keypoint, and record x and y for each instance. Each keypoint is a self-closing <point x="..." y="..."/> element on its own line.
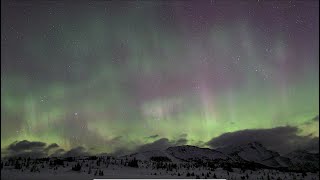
<point x="58" y="153"/>
<point x="312" y="121"/>
<point x="281" y="139"/>
<point x="152" y="137"/>
<point x="51" y="146"/>
<point x="36" y="149"/>
<point x="78" y="151"/>
<point x="121" y="152"/>
<point x="156" y="145"/>
<point x="26" y="149"/>
<point x="181" y="141"/>
<point x="33" y="154"/>
<point x="161" y="144"/>
<point x="183" y="135"/>
<point x="25" y="145"/>
<point x="316" y="118"/>
<point x="115" y="140"/>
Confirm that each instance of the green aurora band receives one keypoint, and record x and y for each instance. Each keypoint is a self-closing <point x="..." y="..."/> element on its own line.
<point x="108" y="79"/>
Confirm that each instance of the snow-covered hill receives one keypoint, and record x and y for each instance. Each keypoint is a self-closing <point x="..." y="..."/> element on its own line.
<point x="148" y="155"/>
<point x="302" y="159"/>
<point x="248" y="153"/>
<point x="251" y="161"/>
<point x="256" y="152"/>
<point x="193" y="153"/>
<point x="184" y="153"/>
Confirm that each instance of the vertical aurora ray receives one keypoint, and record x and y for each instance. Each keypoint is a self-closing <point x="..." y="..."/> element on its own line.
<point x="109" y="76"/>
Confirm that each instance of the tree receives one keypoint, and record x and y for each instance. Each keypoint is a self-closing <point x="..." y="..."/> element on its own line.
<point x="100" y="173"/>
<point x="58" y="162"/>
<point x="133" y="163"/>
<point x="228" y="168"/>
<point x="77" y="167"/>
<point x="214" y="176"/>
<point x="17" y="165"/>
<point x="34" y="168"/>
<point x="160" y="159"/>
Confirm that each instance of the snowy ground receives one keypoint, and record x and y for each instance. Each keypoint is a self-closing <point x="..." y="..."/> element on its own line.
<point x="119" y="171"/>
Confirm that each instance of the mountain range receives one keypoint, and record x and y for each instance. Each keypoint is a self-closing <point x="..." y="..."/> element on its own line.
<point x="252" y="154"/>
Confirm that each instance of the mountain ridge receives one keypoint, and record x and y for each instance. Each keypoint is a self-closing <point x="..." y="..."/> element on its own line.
<point x="253" y="152"/>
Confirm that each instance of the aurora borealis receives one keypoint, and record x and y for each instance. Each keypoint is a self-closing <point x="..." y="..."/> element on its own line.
<point x="110" y="76"/>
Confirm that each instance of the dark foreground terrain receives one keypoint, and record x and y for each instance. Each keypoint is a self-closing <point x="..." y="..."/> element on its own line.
<point x="251" y="161"/>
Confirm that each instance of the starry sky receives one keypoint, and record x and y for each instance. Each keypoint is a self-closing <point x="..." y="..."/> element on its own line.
<point x="116" y="75"/>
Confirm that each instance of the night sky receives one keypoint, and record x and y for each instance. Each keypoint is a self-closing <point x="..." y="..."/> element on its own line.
<point x="111" y="76"/>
